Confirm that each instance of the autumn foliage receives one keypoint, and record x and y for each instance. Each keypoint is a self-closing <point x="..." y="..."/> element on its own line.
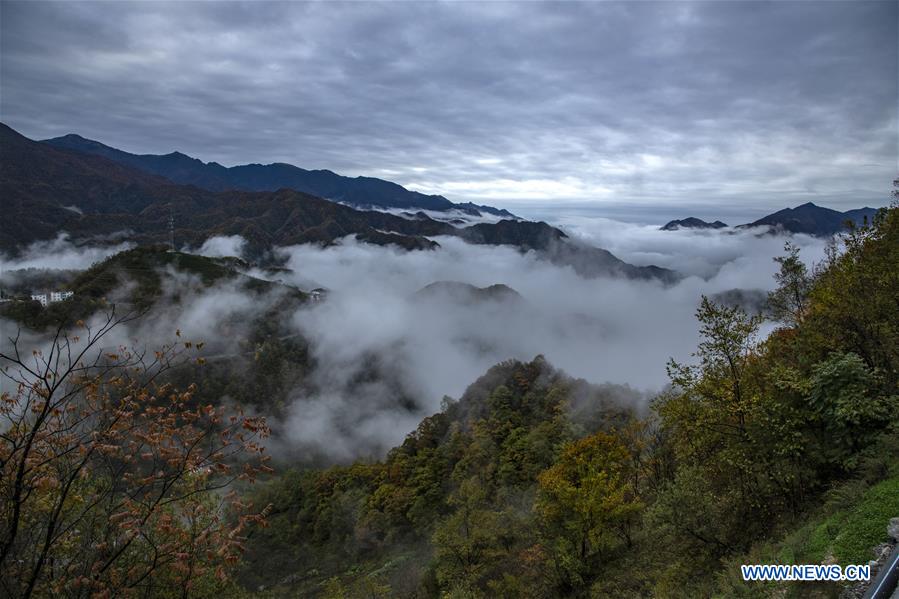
<point x="115" y="483"/>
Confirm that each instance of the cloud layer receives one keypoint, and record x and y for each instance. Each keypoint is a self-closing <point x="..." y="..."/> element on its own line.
<point x="757" y="104"/>
<point x="384" y="355"/>
<point x="604" y="330"/>
<point x="60" y="254"/>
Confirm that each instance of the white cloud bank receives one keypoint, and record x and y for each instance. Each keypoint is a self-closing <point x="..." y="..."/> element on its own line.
<point x="384" y="357"/>
<point x="604" y="330"/>
<point x="222" y="246"/>
<point x="60" y="253"/>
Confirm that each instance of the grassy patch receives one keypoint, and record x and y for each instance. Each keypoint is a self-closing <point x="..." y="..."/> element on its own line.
<point x="844" y="535"/>
<point x="849" y="535"/>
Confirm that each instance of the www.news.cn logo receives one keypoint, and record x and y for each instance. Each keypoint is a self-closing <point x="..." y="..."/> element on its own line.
<point x="805" y="572"/>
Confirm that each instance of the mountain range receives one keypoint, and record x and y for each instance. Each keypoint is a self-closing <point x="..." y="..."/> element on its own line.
<point x="49" y="190"/>
<point x="359" y="192"/>
<point x="808" y="218"/>
<point x="813" y="220"/>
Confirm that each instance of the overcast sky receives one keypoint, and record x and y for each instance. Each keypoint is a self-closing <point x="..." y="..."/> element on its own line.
<point x="740" y="104"/>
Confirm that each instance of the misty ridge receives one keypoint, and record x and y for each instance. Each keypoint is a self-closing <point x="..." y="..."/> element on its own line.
<point x="399" y="331"/>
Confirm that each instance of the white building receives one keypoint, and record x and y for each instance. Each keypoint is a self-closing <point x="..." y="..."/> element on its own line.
<point x="58" y="296"/>
<point x="52" y="297"/>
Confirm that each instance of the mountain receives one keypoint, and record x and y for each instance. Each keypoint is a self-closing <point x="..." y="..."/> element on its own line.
<point x="860" y="215"/>
<point x="554" y="245"/>
<point x="692" y="223"/>
<point x="133" y="281"/>
<point x="49" y="190"/>
<point x="466" y="293"/>
<point x="813" y="220"/>
<point x="360" y="192"/>
<point x="593" y="262"/>
<point x="44" y="189"/>
<point x="753" y="301"/>
<point x="506" y="428"/>
<point x="524" y="235"/>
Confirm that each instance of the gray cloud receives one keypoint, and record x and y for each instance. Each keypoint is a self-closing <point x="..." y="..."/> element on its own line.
<point x="740" y="103"/>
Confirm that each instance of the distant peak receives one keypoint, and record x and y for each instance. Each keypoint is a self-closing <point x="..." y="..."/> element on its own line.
<point x="693" y="223"/>
<point x="78" y="142"/>
<point x="74" y="137"/>
<point x="807" y="205"/>
<point x="181" y="156"/>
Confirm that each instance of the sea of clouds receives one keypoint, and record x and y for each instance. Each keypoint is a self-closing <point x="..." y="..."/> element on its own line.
<point x="425" y="347"/>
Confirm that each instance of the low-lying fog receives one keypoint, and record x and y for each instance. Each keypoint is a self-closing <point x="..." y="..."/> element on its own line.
<point x="61" y="254"/>
<point x="613" y="330"/>
<point x="436" y="344"/>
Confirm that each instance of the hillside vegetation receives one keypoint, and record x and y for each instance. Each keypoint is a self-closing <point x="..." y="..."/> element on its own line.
<point x="537" y="485"/>
<point x="132" y="280"/>
<point x="532" y="484"/>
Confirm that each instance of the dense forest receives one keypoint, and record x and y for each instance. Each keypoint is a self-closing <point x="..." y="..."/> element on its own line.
<point x="121" y="478"/>
<point x="775" y="450"/>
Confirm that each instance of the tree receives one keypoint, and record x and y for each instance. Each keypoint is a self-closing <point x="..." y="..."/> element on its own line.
<point x="854" y="305"/>
<point x="586" y="501"/>
<point x="112" y="481"/>
<point x="712" y="419"/>
<point x="714" y="393"/>
<point x="469" y="541"/>
<point x="844" y="397"/>
<point x="788" y="301"/>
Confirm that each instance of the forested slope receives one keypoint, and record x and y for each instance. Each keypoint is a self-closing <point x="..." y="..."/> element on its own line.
<point x="537" y="485"/>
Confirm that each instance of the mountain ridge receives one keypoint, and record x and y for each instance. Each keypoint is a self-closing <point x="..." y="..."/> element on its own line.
<point x="468" y="293"/>
<point x="360" y="192"/>
<point x="811" y="219"/>
<point x="51" y="190"/>
<point x="808" y="218"/>
<point x="692" y="222"/>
